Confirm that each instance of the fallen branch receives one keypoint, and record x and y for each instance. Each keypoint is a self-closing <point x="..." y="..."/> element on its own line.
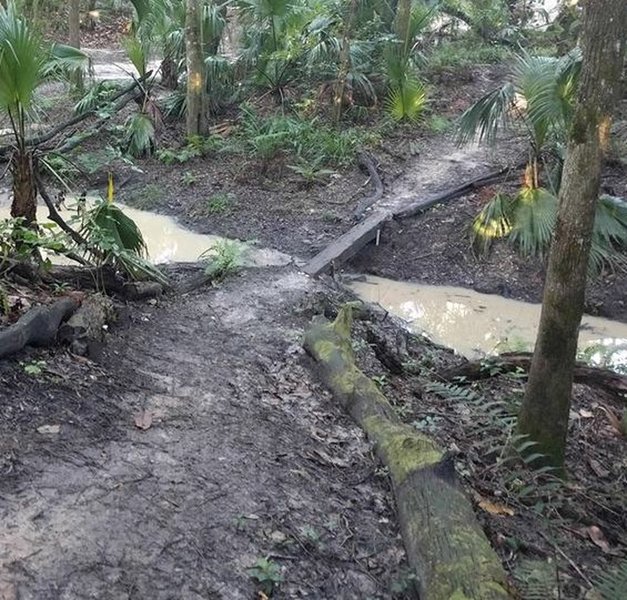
<point x="445" y="545"/>
<point x="605" y="379"/>
<point x="38" y="327"/>
<point x="413" y="207"/>
<point x="368" y="162"/>
<point x="73" y="141"/>
<point x="42" y="138"/>
<point x="102" y="279"/>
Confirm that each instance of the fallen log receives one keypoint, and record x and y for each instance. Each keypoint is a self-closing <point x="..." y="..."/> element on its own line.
<point x="52" y="133"/>
<point x="102" y="279"/>
<point x="412" y="207"/>
<point x="38" y="327"/>
<point x="351" y="242"/>
<point x="446" y="548"/>
<point x="509" y="362"/>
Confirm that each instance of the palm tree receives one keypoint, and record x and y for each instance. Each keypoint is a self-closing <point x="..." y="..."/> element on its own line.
<point x="25" y="63"/>
<point x="539" y="100"/>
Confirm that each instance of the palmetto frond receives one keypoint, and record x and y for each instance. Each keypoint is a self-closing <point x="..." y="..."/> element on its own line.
<point x="119" y="228"/>
<point x="407" y="101"/>
<point x="494" y="221"/>
<point x="534" y="213"/>
<point x="140" y="136"/>
<point x="22" y="61"/>
<point x="484" y="118"/>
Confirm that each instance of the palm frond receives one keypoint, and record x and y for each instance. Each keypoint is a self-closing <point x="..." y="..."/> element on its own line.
<point x="22" y="60"/>
<point x="407" y="101"/>
<point x="121" y="228"/>
<point x="533" y="220"/>
<point x="484" y="118"/>
<point x="494" y="221"/>
<point x="140" y="136"/>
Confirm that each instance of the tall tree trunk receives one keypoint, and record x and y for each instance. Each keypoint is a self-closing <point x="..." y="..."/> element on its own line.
<point x="546" y="405"/>
<point x="24" y="202"/>
<point x="339" y="90"/>
<point x="196" y="74"/>
<point x="75" y="36"/>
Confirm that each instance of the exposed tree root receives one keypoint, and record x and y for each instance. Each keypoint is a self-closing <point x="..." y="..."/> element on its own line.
<point x="446" y="547"/>
<point x="38" y="327"/>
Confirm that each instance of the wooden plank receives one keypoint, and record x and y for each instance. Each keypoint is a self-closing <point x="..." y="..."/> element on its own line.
<point x="348" y="244"/>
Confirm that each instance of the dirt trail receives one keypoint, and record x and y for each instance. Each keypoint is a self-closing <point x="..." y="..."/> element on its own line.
<point x="246" y="457"/>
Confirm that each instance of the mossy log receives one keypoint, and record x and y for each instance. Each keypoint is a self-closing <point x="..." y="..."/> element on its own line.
<point x="38" y="327"/>
<point x="447" y="549"/>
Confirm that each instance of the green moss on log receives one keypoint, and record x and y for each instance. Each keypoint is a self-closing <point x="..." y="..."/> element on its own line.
<point x="446" y="547"/>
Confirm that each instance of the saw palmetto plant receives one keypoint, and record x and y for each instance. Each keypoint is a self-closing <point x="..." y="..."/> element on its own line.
<point x="26" y="62"/>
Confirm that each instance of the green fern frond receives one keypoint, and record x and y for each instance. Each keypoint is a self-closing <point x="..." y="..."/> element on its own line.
<point x="450" y="391"/>
<point x="612" y="585"/>
<point x="537" y="580"/>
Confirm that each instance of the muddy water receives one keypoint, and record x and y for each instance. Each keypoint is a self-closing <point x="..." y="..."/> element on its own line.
<point x="167" y="241"/>
<point x="477" y="324"/>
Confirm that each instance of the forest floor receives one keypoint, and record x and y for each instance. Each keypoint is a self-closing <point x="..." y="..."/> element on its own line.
<point x="200" y="441"/>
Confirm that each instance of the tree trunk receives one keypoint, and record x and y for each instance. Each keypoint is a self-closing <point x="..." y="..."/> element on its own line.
<point x="74" y="38"/>
<point x="196" y="74"/>
<point x="169" y="72"/>
<point x="546" y="405"/>
<point x="339" y="91"/>
<point x="24" y="203"/>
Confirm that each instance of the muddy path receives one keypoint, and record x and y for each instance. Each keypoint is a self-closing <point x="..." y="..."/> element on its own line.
<point x="244" y="456"/>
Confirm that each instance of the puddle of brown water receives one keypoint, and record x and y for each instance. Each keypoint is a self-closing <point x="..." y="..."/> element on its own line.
<point x="477" y="324"/>
<point x="167" y="241"/>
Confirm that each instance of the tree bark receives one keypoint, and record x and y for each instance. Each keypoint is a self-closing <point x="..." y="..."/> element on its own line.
<point x="339" y="90"/>
<point x="24" y="204"/>
<point x="74" y="38"/>
<point x="38" y="327"/>
<point x="446" y="548"/>
<point x="546" y="405"/>
<point x="196" y="74"/>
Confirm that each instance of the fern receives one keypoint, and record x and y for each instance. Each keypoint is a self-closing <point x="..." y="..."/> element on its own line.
<point x="537" y="580"/>
<point x="613" y="585"/>
<point x="450" y="391"/>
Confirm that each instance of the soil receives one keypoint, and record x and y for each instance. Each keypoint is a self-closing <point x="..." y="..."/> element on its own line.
<point x="199" y="443"/>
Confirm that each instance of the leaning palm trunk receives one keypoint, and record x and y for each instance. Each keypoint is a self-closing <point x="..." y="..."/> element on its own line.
<point x="24" y="205"/>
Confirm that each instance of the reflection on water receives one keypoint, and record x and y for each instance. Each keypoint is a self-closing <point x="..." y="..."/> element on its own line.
<point x="167" y="241"/>
<point x="477" y="324"/>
